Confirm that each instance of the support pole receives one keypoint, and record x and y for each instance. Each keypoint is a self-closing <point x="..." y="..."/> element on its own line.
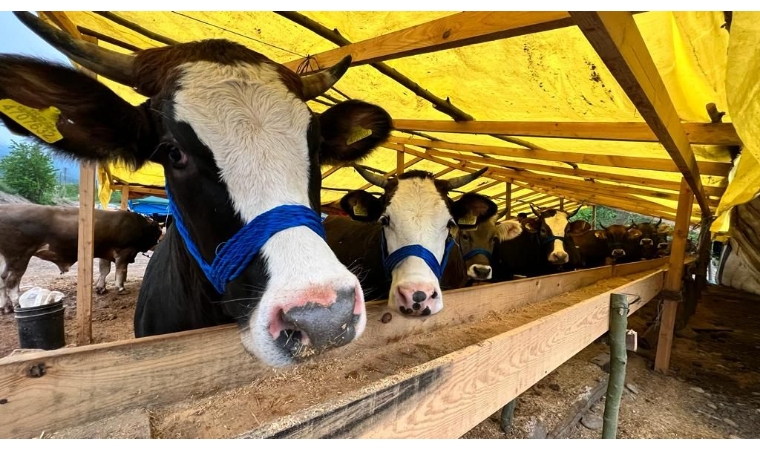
<point x="618" y="361"/>
<point x="562" y="203"/>
<point x="507" y="413"/>
<point x="593" y="217"/>
<point x="124" y="197"/>
<point x="85" y="252"/>
<point x="399" y="163"/>
<point x="509" y="200"/>
<point x="672" y="287"/>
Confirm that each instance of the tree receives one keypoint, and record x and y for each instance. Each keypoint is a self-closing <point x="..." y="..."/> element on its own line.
<point x="29" y="170"/>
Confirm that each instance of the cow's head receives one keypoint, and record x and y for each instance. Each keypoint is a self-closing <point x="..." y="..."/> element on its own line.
<point x="415" y="210"/>
<point x="617" y="238"/>
<point x="150" y="233"/>
<point x="578" y="227"/>
<point x="650" y="239"/>
<point x="236" y="139"/>
<point x="478" y="233"/>
<point x="551" y="225"/>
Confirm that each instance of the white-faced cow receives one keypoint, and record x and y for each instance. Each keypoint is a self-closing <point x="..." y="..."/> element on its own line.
<point x="241" y="153"/>
<point x="403" y="237"/>
<point x="543" y="247"/>
<point x="51" y="233"/>
<point x="477" y="233"/>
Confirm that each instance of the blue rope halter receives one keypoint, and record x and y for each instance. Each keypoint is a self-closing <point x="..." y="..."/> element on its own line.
<point x="395" y="258"/>
<point x="477" y="251"/>
<point x="235" y="254"/>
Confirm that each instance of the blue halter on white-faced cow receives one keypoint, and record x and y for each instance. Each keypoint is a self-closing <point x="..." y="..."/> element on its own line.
<point x="414" y="240"/>
<point x="477" y="233"/>
<point x="241" y="153"/>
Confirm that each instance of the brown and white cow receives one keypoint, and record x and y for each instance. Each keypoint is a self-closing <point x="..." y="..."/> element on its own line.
<point x="51" y="233"/>
<point x="237" y="142"/>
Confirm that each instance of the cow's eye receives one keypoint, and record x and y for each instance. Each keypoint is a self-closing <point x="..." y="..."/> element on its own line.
<point x="451" y="224"/>
<point x="465" y="237"/>
<point x="384" y="221"/>
<point x="177" y="157"/>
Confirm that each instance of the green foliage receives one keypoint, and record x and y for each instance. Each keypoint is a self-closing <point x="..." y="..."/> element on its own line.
<point x="5" y="188"/>
<point x="116" y="197"/>
<point x="609" y="216"/>
<point x="29" y="171"/>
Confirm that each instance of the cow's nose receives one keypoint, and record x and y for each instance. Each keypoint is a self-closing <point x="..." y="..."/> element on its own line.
<point x="618" y="252"/>
<point x="646" y="241"/>
<point x="313" y="326"/>
<point x="558" y="257"/>
<point x="662" y="245"/>
<point x="481" y="272"/>
<point x="418" y="299"/>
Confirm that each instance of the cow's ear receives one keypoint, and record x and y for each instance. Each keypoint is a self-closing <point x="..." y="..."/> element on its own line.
<point x="350" y="130"/>
<point x="600" y="234"/>
<point x="507" y="230"/>
<point x="634" y="233"/>
<point x="472" y="209"/>
<point x="531" y="225"/>
<point x="362" y="206"/>
<point x="73" y="113"/>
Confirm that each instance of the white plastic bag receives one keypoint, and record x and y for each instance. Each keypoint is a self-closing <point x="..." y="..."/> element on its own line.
<point x="38" y="296"/>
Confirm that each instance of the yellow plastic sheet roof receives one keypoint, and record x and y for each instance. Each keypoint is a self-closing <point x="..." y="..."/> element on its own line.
<point x="548" y="76"/>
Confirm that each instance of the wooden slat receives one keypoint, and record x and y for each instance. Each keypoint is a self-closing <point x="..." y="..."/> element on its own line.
<point x="629" y="162"/>
<point x="124" y="197"/>
<point x="673" y="280"/>
<point x="399" y="163"/>
<point x="508" y="202"/>
<point x="448" y="396"/>
<point x="618" y="41"/>
<point x="88" y="383"/>
<point x="332" y="170"/>
<point x="457" y="30"/>
<point x="697" y="133"/>
<point x="85" y="252"/>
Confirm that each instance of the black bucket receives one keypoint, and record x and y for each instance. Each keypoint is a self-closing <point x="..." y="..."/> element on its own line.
<point x="41" y="326"/>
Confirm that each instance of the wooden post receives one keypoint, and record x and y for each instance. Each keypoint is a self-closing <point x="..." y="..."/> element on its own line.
<point x="672" y="285"/>
<point x="85" y="252"/>
<point x="618" y="361"/>
<point x="124" y="197"/>
<point x="562" y="203"/>
<point x="593" y="217"/>
<point x="509" y="201"/>
<point x="399" y="163"/>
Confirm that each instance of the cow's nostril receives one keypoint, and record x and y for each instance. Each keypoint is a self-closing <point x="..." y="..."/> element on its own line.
<point x="435" y="294"/>
<point x="419" y="296"/>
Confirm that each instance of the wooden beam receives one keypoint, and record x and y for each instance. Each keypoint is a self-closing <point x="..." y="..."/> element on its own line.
<point x="136" y="28"/>
<point x="480" y="188"/>
<point x="448" y="396"/>
<point x="618" y="41"/>
<point x="399" y="163"/>
<point x="697" y="133"/>
<point x="629" y="162"/>
<point x="593" y="217"/>
<point x="673" y="279"/>
<point x="390" y="173"/>
<point x="124" y="197"/>
<point x="332" y="170"/>
<point x="509" y="200"/>
<point x="85" y="252"/>
<point x="134" y="189"/>
<point x="456" y="30"/>
<point x="83" y="384"/>
<point x="106" y="38"/>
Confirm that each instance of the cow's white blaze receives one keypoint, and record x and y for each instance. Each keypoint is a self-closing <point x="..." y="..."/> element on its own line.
<point x="257" y="131"/>
<point x="418" y="215"/>
<point x="557" y="224"/>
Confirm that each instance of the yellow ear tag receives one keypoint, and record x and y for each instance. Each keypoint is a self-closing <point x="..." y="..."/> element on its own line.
<point x="360" y="210"/>
<point x="40" y="122"/>
<point x="357" y="134"/>
<point x="469" y="219"/>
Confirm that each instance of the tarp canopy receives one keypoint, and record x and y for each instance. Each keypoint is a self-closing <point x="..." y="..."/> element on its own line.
<point x="150" y="205"/>
<point x="540" y="74"/>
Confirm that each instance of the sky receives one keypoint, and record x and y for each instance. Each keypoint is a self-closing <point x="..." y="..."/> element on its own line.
<point x="18" y="39"/>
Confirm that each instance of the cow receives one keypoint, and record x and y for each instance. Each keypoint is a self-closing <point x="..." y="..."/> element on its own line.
<point x="241" y="153"/>
<point x="578" y="227"/>
<point x="478" y="242"/>
<point x="608" y="245"/>
<point x="650" y="242"/>
<point x="543" y="246"/>
<point x="51" y="233"/>
<point x="404" y="235"/>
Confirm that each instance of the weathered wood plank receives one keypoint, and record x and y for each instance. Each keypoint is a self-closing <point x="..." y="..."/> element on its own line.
<point x="85" y="252"/>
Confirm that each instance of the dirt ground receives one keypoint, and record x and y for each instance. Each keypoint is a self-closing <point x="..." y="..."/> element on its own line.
<point x="712" y="391"/>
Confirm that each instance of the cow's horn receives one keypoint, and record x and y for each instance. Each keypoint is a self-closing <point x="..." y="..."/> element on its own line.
<point x="501" y="214"/>
<point x="658" y="223"/>
<point x="371" y="177"/>
<point x="536" y="210"/>
<point x="112" y="65"/>
<point x="602" y="226"/>
<point x="318" y="83"/>
<point x="455" y="183"/>
<point x="575" y="212"/>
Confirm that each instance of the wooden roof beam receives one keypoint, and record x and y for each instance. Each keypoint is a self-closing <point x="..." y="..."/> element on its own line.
<point x="618" y="41"/>
<point x="696" y="132"/>
<point x="456" y="30"/>
<point x="629" y="162"/>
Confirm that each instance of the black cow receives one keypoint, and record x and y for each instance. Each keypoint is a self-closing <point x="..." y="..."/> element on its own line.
<point x="650" y="242"/>
<point x="609" y="245"/>
<point x="543" y="246"/>
<point x="414" y="216"/>
<point x="241" y="153"/>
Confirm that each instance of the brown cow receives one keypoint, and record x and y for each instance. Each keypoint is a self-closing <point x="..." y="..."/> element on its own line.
<point x="51" y="233"/>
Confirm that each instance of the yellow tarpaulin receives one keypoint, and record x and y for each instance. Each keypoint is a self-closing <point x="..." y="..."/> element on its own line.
<point x="549" y="76"/>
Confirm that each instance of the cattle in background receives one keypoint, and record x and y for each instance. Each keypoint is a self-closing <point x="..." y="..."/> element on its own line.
<point x="477" y="233"/>
<point x="578" y="227"/>
<point x="609" y="245"/>
<point x="649" y="242"/>
<point x="241" y="153"/>
<point x="410" y="243"/>
<point x="52" y="233"/>
<point x="543" y="246"/>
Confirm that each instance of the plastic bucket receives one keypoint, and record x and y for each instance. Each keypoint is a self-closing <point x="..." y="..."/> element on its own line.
<point x="41" y="326"/>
